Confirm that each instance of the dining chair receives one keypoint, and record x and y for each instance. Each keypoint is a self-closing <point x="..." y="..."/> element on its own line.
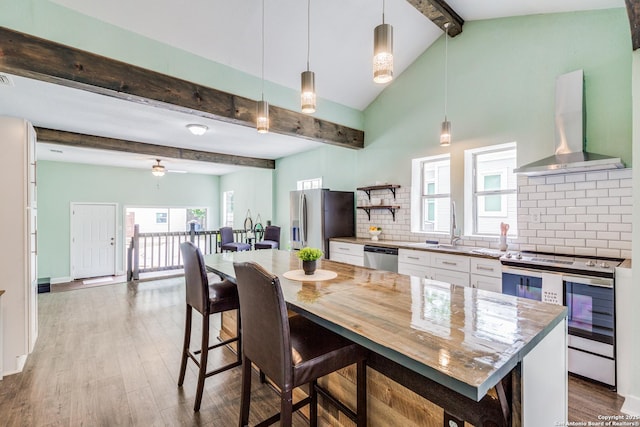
<point x="227" y="243"/>
<point x="207" y="299"/>
<point x="271" y="238"/>
<point x="291" y="351"/>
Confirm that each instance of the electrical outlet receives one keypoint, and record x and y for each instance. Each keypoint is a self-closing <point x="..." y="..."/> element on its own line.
<point x="535" y="218"/>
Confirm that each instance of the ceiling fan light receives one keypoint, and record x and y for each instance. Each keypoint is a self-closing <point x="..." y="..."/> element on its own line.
<point x="445" y="133"/>
<point x="197" y="129"/>
<point x="262" y="116"/>
<point x="157" y="169"/>
<point x="308" y="92"/>
<point x="383" y="53"/>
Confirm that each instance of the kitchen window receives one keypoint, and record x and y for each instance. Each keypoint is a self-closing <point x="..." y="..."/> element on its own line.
<point x="431" y="194"/>
<point x="491" y="189"/>
<point x="309" y="184"/>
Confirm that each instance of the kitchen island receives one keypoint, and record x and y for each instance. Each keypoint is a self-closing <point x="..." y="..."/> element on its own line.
<point x="460" y="353"/>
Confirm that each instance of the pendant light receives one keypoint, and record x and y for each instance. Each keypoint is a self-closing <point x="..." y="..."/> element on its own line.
<point x="157" y="169"/>
<point x="383" y="52"/>
<point x="445" y="130"/>
<point x="308" y="78"/>
<point x="262" y="107"/>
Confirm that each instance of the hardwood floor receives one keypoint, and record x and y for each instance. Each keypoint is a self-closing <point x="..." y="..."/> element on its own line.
<point x="109" y="356"/>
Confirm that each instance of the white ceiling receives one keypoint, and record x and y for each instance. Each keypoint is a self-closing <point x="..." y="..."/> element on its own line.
<point x="228" y="32"/>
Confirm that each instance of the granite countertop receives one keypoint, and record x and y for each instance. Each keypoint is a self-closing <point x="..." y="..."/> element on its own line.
<point x="459" y="250"/>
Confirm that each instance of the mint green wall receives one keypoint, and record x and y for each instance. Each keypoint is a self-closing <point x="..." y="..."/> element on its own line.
<point x="59" y="184"/>
<point x="252" y="190"/>
<point x="501" y="88"/>
<point x="51" y="21"/>
<point x="338" y="168"/>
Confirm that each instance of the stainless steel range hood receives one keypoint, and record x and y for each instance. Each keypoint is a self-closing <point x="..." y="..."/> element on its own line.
<point x="569" y="136"/>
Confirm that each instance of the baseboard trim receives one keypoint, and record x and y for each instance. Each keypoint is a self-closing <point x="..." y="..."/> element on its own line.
<point x="57" y="280"/>
<point x="631" y="405"/>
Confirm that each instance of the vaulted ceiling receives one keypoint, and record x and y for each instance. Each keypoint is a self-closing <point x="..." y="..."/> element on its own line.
<point x="229" y="34"/>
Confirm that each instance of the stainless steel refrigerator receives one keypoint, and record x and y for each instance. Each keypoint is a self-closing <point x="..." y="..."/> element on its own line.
<point x="318" y="215"/>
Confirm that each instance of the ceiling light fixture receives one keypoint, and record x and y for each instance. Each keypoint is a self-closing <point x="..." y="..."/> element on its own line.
<point x="308" y="78"/>
<point x="197" y="129"/>
<point x="262" y="107"/>
<point x="157" y="169"/>
<point x="445" y="130"/>
<point x="383" y="52"/>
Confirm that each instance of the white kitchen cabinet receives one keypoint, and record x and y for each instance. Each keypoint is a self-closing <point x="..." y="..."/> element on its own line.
<point x="18" y="222"/>
<point x="349" y="253"/>
<point x="486" y="274"/>
<point x="450" y="268"/>
<point x="414" y="263"/>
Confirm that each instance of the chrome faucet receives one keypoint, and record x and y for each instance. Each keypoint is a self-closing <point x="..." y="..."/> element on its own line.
<point x="455" y="238"/>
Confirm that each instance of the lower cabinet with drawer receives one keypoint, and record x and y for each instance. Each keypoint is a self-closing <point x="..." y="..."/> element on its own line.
<point x="486" y="274"/>
<point x="414" y="263"/>
<point x="349" y="253"/>
<point x="450" y="268"/>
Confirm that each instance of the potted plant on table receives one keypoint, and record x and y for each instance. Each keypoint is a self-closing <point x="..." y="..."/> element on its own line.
<point x="309" y="256"/>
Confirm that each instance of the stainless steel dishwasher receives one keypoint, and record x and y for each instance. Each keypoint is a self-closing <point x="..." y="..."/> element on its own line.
<point x="381" y="258"/>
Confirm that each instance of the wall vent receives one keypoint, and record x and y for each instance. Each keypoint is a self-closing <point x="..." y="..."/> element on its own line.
<point x="5" y="80"/>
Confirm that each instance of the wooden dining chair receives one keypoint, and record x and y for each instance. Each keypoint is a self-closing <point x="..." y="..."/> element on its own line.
<point x="291" y="351"/>
<point x="207" y="299"/>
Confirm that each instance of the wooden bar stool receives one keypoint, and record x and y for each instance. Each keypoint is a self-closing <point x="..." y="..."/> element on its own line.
<point x="290" y="351"/>
<point x="207" y="299"/>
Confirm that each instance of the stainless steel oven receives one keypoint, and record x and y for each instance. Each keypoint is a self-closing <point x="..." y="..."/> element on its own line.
<point x="586" y="287"/>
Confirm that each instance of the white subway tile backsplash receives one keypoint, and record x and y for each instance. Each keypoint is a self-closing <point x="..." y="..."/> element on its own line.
<point x="597" y="176"/>
<point x="609" y="253"/>
<point x="555" y="179"/>
<point x="586" y="185"/>
<point x="586" y="213"/>
<point x="625" y="173"/>
<point x="586" y="201"/>
<point x="627" y="209"/>
<point x="603" y="192"/>
<point x="596" y="226"/>
<point x="597" y="210"/>
<point x="597" y="243"/>
<point x="565" y="187"/>
<point x="612" y="183"/>
<point x="575" y="177"/>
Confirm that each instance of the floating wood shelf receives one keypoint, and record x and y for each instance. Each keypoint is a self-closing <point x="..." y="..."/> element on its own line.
<point x="390" y="187"/>
<point x="391" y="209"/>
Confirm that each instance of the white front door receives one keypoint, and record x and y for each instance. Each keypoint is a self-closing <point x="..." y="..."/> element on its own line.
<point x="93" y="240"/>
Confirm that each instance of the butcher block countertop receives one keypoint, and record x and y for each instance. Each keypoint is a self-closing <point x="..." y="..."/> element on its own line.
<point x="421" y="246"/>
<point x="463" y="338"/>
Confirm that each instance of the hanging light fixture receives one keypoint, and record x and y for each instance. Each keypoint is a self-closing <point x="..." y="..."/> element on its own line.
<point x="383" y="52"/>
<point x="157" y="169"/>
<point x="445" y="130"/>
<point x="262" y="107"/>
<point x="308" y="78"/>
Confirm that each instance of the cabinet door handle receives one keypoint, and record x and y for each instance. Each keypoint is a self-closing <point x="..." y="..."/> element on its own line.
<point x="479" y="267"/>
<point x="449" y="263"/>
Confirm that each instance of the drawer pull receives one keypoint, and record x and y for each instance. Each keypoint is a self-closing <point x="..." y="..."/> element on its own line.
<point x="449" y="263"/>
<point x="484" y="268"/>
<point x="413" y="257"/>
<point x="345" y="249"/>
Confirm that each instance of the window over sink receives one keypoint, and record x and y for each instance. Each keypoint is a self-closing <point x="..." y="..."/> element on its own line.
<point x="490" y="189"/>
<point x="431" y="194"/>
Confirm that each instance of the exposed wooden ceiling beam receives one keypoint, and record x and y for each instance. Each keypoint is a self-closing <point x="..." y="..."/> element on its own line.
<point x="439" y="12"/>
<point x="33" y="57"/>
<point x="633" y="10"/>
<point x="113" y="144"/>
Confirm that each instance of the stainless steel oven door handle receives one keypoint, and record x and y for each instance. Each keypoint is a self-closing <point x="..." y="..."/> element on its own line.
<point x="591" y="281"/>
